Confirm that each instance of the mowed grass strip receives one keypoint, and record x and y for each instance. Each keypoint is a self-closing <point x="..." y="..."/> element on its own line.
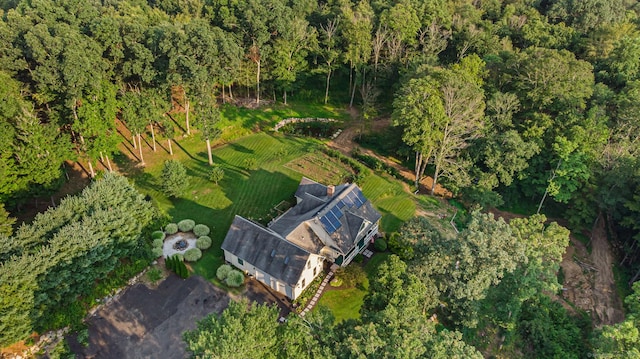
<point x="256" y="179"/>
<point x="391" y="200"/>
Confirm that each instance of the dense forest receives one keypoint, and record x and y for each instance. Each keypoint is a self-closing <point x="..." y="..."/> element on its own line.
<point x="504" y="102"/>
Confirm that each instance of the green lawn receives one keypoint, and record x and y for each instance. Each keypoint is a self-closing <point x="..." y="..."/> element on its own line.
<point x="389" y="197"/>
<point x="253" y="192"/>
<point x="248" y="192"/>
<point x="344" y="303"/>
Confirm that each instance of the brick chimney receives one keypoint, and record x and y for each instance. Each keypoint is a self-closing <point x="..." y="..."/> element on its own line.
<point x="330" y="190"/>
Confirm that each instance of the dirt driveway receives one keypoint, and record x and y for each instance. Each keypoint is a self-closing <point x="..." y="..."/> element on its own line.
<point x="148" y="323"/>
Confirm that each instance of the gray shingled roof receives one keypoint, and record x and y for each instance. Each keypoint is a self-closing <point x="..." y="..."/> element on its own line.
<point x="266" y="250"/>
<point x="313" y="206"/>
<point x="291" y="238"/>
<point x="311" y="187"/>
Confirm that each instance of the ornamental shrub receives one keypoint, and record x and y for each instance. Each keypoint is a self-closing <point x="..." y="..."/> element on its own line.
<point x="171" y="228"/>
<point x="201" y="230"/>
<point x="170" y="263"/>
<point x="158" y="235"/>
<point x="380" y="245"/>
<point x="156" y="251"/>
<point x="192" y="254"/>
<point x="186" y="225"/>
<point x="359" y="258"/>
<point x="235" y="278"/>
<point x="179" y="257"/>
<point x="175" y="264"/>
<point x="203" y="242"/>
<point x="157" y="243"/>
<point x="216" y="174"/>
<point x="223" y="271"/>
<point x="174" y="178"/>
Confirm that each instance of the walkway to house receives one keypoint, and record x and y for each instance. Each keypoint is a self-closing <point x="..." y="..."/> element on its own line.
<point x="316" y="297"/>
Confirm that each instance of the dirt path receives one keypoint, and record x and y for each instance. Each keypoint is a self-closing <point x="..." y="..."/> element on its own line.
<point x="607" y="303"/>
<point x="588" y="278"/>
<point x="345" y="144"/>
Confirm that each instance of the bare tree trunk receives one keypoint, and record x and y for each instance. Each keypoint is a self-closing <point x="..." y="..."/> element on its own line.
<point x="546" y="191"/>
<point x="91" y="172"/>
<point x="223" y="100"/>
<point x="209" y="152"/>
<point x="140" y="149"/>
<point x="285" y="97"/>
<point x="101" y="157"/>
<point x="435" y="180"/>
<point x="230" y="93"/>
<point x="353" y="91"/>
<point x="186" y="108"/>
<point x="326" y="91"/>
<point x="258" y="84"/>
<point x="135" y="143"/>
<point x="170" y="148"/>
<point x="418" y="165"/>
<point x="153" y="137"/>
<point x="350" y="75"/>
<point x="108" y="163"/>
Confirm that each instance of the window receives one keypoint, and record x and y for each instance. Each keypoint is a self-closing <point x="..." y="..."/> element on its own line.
<point x="308" y="264"/>
<point x="303" y="281"/>
<point x="240" y="261"/>
<point x="314" y="271"/>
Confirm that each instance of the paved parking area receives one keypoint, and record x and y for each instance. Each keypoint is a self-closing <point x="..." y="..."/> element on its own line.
<point x="148" y="323"/>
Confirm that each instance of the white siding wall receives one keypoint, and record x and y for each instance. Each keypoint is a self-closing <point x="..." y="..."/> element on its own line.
<point x="314" y="262"/>
<point x="233" y="260"/>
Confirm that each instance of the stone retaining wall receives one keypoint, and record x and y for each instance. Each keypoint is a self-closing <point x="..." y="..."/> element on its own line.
<point x="287" y="121"/>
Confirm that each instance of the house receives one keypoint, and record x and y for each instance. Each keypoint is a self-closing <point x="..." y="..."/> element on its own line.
<point x="328" y="223"/>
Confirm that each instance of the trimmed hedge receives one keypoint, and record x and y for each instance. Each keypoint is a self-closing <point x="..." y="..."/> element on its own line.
<point x="360" y="170"/>
<point x="171" y="228"/>
<point x="157" y="252"/>
<point x="174" y="264"/>
<point x="192" y="254"/>
<point x="380" y="245"/>
<point x="158" y="235"/>
<point x="186" y="225"/>
<point x="235" y="278"/>
<point x="157" y="243"/>
<point x="203" y="242"/>
<point x="201" y="230"/>
<point x="223" y="271"/>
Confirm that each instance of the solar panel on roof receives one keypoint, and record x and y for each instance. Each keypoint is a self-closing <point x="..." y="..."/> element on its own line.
<point x="340" y="204"/>
<point x="336" y="212"/>
<point x="336" y="223"/>
<point x="361" y="197"/>
<point x="348" y="200"/>
<point x="327" y="224"/>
